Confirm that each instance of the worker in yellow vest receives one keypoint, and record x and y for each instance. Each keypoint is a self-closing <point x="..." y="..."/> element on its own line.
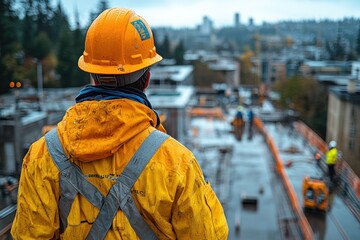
<point x="109" y="170"/>
<point x="331" y="157"/>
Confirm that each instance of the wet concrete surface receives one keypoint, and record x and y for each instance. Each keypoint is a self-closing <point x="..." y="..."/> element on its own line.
<point x="250" y="166"/>
<point x="338" y="222"/>
<point x="251" y="178"/>
<point x="251" y="172"/>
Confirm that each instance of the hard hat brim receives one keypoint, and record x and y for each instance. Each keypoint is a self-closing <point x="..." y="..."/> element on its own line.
<point x="117" y="69"/>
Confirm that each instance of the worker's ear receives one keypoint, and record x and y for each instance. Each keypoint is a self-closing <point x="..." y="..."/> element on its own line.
<point x="147" y="81"/>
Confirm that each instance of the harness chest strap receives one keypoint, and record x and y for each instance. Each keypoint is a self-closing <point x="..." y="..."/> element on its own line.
<point x="72" y="182"/>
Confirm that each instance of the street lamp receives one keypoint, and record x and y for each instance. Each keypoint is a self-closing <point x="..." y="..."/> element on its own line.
<point x="39" y="81"/>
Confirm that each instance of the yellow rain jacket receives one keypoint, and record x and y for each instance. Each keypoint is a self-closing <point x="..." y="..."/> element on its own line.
<point x="101" y="137"/>
<point x="331" y="156"/>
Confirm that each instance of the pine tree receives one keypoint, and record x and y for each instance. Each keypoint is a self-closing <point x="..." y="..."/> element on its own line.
<point x="57" y="22"/>
<point x="339" y="49"/>
<point x="179" y="53"/>
<point x="79" y="77"/>
<point x="102" y="5"/>
<point x="65" y="58"/>
<point x="164" y="48"/>
<point x="9" y="43"/>
<point x="358" y="43"/>
<point x="28" y="32"/>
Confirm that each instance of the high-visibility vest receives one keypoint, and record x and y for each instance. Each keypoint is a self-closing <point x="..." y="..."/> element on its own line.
<point x="72" y="182"/>
<point x="331" y="156"/>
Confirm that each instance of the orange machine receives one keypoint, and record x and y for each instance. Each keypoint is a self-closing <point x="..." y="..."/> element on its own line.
<point x="315" y="193"/>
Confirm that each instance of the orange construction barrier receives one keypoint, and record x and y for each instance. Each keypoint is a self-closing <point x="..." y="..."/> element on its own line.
<point x="311" y="136"/>
<point x="215" y="112"/>
<point x="303" y="222"/>
<point x="318" y="142"/>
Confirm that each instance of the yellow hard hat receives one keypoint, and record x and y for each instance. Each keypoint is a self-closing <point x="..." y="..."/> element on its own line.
<point x="118" y="42"/>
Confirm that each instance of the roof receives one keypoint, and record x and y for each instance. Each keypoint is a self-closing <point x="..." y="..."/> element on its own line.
<point x="342" y="93"/>
<point x="223" y="65"/>
<point x="178" y="73"/>
<point x="335" y="79"/>
<point x="178" y="97"/>
<point x="317" y="64"/>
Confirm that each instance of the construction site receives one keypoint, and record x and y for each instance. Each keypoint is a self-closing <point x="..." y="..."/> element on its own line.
<point x="269" y="111"/>
<point x="263" y="169"/>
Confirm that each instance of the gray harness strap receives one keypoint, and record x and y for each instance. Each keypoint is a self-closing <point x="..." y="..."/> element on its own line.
<point x="72" y="181"/>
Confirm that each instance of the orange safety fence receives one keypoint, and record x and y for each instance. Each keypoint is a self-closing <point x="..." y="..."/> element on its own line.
<point x="304" y="224"/>
<point x="318" y="142"/>
<point x="215" y="112"/>
<point x="314" y="139"/>
<point x="351" y="178"/>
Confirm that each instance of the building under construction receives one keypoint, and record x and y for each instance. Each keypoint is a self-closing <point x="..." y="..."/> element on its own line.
<point x="257" y="168"/>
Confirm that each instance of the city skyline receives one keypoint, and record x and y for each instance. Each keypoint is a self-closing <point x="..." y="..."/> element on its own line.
<point x="189" y="13"/>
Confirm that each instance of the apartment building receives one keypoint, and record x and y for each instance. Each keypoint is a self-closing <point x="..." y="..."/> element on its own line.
<point x="343" y="122"/>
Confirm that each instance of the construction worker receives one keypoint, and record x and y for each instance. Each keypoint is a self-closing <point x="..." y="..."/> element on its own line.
<point x="108" y="170"/>
<point x="331" y="157"/>
<point x="238" y="118"/>
<point x="250" y="117"/>
<point x="318" y="158"/>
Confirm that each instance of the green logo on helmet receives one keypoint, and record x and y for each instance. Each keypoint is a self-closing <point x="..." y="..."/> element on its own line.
<point x="141" y="29"/>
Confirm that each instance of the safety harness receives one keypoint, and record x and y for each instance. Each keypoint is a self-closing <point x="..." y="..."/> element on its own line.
<point x="72" y="182"/>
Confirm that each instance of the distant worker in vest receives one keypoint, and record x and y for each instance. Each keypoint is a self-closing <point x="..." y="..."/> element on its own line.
<point x="331" y="157"/>
<point x="109" y="170"/>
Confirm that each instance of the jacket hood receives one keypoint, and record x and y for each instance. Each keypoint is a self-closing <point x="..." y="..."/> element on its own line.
<point x="92" y="130"/>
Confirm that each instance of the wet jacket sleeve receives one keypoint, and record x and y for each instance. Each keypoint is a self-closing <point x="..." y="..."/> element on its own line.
<point x="36" y="215"/>
<point x="198" y="213"/>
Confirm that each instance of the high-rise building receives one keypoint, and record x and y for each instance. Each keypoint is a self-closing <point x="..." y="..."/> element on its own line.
<point x="251" y="22"/>
<point x="237" y="19"/>
<point x="206" y="27"/>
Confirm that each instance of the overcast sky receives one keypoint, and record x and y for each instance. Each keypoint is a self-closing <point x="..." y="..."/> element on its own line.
<point x="189" y="13"/>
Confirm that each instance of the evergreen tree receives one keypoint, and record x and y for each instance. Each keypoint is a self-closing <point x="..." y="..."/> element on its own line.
<point x="9" y="44"/>
<point x="156" y="40"/>
<point x="358" y="43"/>
<point x="41" y="46"/>
<point x="339" y="49"/>
<point x="102" y="5"/>
<point x="43" y="14"/>
<point x="164" y="48"/>
<point x="28" y="27"/>
<point x="57" y="23"/>
<point x="179" y="53"/>
<point x="79" y="77"/>
<point x="65" y="58"/>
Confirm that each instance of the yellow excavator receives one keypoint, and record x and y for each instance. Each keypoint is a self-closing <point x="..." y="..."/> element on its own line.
<point x="315" y="194"/>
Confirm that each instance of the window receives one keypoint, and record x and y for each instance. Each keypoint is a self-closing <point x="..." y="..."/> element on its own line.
<point x="351" y="145"/>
